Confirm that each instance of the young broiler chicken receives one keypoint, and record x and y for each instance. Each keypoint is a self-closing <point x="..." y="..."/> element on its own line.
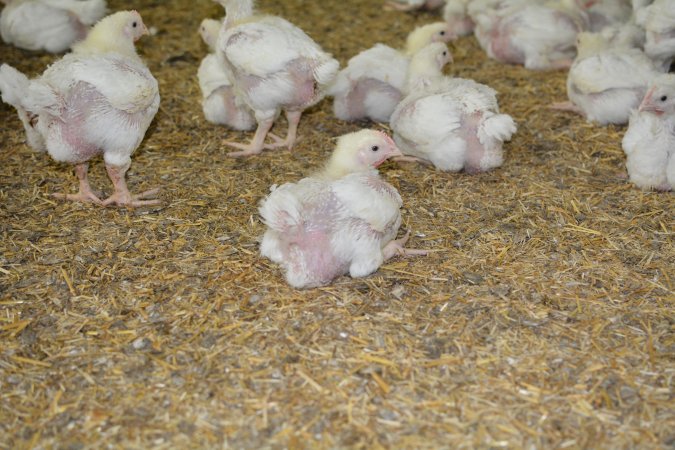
<point x="649" y="142"/>
<point x="452" y="123"/>
<point x="372" y="84"/>
<point x="100" y="99"/>
<point x="606" y="82"/>
<point x="219" y="103"/>
<point x="413" y="5"/>
<point x="273" y="66"/>
<point x="605" y="13"/>
<point x="658" y="20"/>
<point x="51" y="25"/>
<point x="341" y="220"/>
<point x="541" y="36"/>
<point x="456" y="14"/>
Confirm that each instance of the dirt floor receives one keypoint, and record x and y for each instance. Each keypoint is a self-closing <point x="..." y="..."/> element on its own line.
<point x="543" y="318"/>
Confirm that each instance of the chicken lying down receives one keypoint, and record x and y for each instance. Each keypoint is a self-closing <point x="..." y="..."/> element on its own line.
<point x="373" y="82"/>
<point x="604" y="13"/>
<point x="658" y="20"/>
<point x="412" y="5"/>
<point x="453" y="123"/>
<point x="541" y="36"/>
<point x="100" y="99"/>
<point x="341" y="220"/>
<point x="649" y="142"/>
<point x="273" y="66"/>
<point x="51" y="25"/>
<point x="606" y="82"/>
<point x="456" y="14"/>
<point x="219" y="103"/>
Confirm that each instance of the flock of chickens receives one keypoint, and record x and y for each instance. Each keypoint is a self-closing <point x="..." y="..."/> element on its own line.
<point x="100" y="99"/>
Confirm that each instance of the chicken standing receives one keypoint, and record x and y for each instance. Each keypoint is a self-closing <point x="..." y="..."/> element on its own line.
<point x="100" y="99"/>
<point x="273" y="65"/>
<point x="453" y="123"/>
<point x="658" y="20"/>
<point x="219" y="102"/>
<point x="649" y="142"/>
<point x="372" y="84"/>
<point x="607" y="82"/>
<point x="51" y="25"/>
<point x="341" y="220"/>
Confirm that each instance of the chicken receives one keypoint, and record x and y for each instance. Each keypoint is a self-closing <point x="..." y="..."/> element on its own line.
<point x="604" y="13"/>
<point x="341" y="220"/>
<point x="219" y="103"/>
<point x="456" y="14"/>
<point x="51" y="25"/>
<point x="452" y="123"/>
<point x="273" y="66"/>
<point x="649" y="142"/>
<point x="658" y="20"/>
<point x="412" y="5"/>
<point x="540" y="36"/>
<point x="607" y="82"/>
<point x="100" y="99"/>
<point x="372" y="84"/>
<point x="486" y="14"/>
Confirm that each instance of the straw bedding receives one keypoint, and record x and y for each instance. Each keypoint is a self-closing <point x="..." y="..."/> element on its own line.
<point x="543" y="316"/>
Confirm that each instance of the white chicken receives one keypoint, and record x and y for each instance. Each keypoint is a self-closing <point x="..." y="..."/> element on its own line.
<point x="649" y="142"/>
<point x="219" y="103"/>
<point x="412" y="5"/>
<point x="607" y="82"/>
<point x="604" y="13"/>
<point x="456" y="14"/>
<point x="100" y="99"/>
<point x="341" y="220"/>
<point x="273" y="66"/>
<point x="372" y="84"/>
<point x="51" y="25"/>
<point x="486" y="14"/>
<point x="540" y="36"/>
<point x="658" y="20"/>
<point x="453" y="123"/>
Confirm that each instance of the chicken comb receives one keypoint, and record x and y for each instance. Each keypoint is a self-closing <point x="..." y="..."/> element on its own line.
<point x="386" y="137"/>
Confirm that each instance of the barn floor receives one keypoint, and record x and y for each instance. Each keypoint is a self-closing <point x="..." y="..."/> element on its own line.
<point x="543" y="318"/>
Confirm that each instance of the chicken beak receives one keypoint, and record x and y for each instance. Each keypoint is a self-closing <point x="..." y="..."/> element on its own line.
<point x="395" y="152"/>
<point x="146" y="32"/>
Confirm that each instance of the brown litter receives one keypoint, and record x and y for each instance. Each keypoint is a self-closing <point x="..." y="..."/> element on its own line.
<point x="543" y="318"/>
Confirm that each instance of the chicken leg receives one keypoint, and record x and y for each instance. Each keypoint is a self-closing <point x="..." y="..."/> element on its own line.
<point x="257" y="144"/>
<point x="122" y="196"/>
<point x="395" y="247"/>
<point x="85" y="194"/>
<point x="567" y="106"/>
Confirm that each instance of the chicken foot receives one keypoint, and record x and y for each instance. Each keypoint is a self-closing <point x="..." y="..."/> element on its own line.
<point x="85" y="193"/>
<point x="122" y="196"/>
<point x="396" y="247"/>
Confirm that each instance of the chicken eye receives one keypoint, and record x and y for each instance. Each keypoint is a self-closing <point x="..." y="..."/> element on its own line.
<point x="374" y="148"/>
<point x="442" y="33"/>
<point x="445" y="53"/>
<point x="664" y="98"/>
<point x="134" y="24"/>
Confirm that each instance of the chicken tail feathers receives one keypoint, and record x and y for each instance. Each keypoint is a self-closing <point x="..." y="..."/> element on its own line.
<point x="281" y="211"/>
<point x="499" y="126"/>
<point x="326" y="70"/>
<point x="20" y="92"/>
<point x="13" y="85"/>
